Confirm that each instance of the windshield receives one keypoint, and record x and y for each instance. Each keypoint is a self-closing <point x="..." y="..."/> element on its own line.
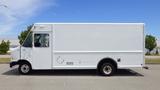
<point x="28" y="41"/>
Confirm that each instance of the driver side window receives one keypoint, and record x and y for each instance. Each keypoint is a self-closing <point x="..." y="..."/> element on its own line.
<point x="28" y="41"/>
<point x="41" y="40"/>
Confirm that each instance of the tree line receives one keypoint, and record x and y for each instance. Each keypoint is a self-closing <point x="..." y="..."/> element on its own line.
<point x="4" y="46"/>
<point x="150" y="44"/>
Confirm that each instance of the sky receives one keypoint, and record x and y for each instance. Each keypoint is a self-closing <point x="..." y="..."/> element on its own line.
<point x="16" y="15"/>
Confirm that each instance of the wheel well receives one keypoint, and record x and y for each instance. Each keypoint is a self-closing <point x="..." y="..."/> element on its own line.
<point x="107" y="60"/>
<point x="24" y="61"/>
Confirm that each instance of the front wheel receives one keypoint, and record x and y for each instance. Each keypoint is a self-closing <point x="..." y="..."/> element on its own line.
<point x="107" y="69"/>
<point x="25" y="68"/>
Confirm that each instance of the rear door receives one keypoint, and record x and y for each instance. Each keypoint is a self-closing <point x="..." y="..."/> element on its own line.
<point x="42" y="56"/>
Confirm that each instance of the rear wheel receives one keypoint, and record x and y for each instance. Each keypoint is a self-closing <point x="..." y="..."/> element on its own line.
<point x="107" y="69"/>
<point x="25" y="68"/>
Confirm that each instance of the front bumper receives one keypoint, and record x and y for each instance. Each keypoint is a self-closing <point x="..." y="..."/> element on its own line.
<point x="13" y="63"/>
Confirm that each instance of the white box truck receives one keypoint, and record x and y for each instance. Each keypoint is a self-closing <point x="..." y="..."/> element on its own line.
<point x="102" y="46"/>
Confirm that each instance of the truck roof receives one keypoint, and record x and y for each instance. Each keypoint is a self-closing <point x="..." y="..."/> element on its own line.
<point x="95" y="23"/>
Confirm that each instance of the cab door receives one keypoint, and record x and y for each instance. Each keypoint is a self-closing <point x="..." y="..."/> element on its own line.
<point x="42" y="56"/>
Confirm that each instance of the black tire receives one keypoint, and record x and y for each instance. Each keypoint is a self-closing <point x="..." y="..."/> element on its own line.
<point x="107" y="69"/>
<point x="24" y="68"/>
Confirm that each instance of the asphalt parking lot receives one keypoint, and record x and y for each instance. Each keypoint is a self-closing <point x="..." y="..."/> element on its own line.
<point x="124" y="79"/>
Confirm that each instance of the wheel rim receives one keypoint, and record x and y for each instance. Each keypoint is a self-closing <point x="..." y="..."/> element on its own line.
<point x="107" y="69"/>
<point x="25" y="68"/>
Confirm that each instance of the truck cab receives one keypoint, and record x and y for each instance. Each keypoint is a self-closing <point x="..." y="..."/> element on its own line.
<point x="35" y="52"/>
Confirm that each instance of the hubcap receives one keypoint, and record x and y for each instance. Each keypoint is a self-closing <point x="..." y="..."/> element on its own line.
<point x="25" y="68"/>
<point x="107" y="69"/>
